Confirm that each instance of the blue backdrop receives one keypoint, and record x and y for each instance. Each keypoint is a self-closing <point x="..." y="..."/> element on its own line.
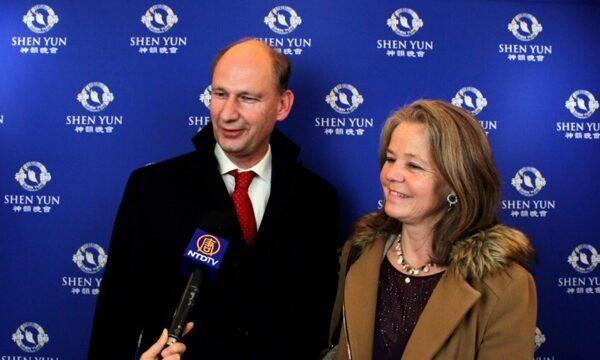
<point x="91" y="90"/>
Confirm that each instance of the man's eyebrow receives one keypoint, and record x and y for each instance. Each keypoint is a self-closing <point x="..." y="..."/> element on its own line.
<point x="241" y="93"/>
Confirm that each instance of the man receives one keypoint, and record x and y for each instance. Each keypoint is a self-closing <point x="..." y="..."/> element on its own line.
<point x="273" y="294"/>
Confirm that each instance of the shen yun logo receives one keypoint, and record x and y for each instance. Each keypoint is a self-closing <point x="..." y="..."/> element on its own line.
<point x="584" y="258"/>
<point x="525" y="27"/>
<point x="200" y="121"/>
<point x="40" y="19"/>
<point x="33" y="176"/>
<point x="282" y="20"/>
<point x="470" y="99"/>
<point x="159" y="18"/>
<point x="528" y="181"/>
<point x="582" y="104"/>
<point x="405" y="22"/>
<point x="344" y="98"/>
<point x="206" y="96"/>
<point x="539" y="339"/>
<point x="95" y="96"/>
<point x="30" y="337"/>
<point x="90" y="258"/>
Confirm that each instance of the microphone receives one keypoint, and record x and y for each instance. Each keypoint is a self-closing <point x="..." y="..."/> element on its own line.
<point x="204" y="250"/>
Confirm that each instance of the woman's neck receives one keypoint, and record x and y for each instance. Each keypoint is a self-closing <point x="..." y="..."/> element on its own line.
<point x="417" y="244"/>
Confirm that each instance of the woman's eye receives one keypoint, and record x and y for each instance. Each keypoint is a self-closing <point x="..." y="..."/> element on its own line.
<point x="414" y="166"/>
<point x="389" y="159"/>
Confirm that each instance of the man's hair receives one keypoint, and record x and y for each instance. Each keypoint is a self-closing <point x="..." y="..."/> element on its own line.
<point x="463" y="156"/>
<point x="282" y="67"/>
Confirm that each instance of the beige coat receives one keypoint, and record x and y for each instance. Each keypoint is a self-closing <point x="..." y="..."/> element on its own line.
<point x="484" y="306"/>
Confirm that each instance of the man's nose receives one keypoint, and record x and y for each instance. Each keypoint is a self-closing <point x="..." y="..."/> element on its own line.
<point x="230" y="109"/>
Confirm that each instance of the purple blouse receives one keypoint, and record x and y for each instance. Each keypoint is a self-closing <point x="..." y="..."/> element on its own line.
<point x="399" y="306"/>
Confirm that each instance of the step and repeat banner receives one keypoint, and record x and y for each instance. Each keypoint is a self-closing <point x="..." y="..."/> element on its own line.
<point x="90" y="91"/>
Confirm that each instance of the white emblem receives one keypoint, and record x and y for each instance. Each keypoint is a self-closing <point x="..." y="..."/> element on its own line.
<point x="470" y="99"/>
<point x="539" y="339"/>
<point x="40" y="18"/>
<point x="206" y="96"/>
<point x="344" y="98"/>
<point x="528" y="181"/>
<point x="584" y="258"/>
<point x="90" y="258"/>
<point x="582" y="104"/>
<point x="159" y="18"/>
<point x="283" y="20"/>
<point x="95" y="96"/>
<point x="525" y="27"/>
<point x="30" y="337"/>
<point x="405" y="22"/>
<point x="33" y="176"/>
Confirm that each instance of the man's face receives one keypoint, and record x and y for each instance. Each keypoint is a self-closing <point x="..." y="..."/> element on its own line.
<point x="246" y="103"/>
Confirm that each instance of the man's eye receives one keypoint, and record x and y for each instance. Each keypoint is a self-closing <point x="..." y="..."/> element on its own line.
<point x="248" y="98"/>
<point x="218" y="94"/>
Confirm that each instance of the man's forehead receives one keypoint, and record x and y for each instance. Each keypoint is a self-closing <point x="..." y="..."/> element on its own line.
<point x="244" y="63"/>
<point x="249" y="52"/>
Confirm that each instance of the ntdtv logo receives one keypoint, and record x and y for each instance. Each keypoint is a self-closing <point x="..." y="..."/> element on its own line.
<point x="206" y="249"/>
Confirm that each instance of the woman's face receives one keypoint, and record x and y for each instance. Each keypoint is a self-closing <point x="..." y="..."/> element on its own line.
<point x="412" y="186"/>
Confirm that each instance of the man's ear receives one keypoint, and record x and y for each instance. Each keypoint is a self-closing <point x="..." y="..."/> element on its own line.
<point x="284" y="107"/>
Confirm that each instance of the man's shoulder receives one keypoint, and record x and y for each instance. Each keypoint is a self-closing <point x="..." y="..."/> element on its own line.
<point x="169" y="168"/>
<point x="310" y="180"/>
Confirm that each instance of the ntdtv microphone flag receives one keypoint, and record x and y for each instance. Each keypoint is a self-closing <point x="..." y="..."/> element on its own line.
<point x="205" y="249"/>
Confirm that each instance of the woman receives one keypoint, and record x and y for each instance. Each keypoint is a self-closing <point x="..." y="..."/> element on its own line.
<point x="433" y="274"/>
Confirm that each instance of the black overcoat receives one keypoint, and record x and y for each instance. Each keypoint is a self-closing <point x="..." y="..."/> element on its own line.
<point x="263" y="302"/>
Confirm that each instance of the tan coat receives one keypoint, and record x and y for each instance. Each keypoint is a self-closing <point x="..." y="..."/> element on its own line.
<point x="492" y="315"/>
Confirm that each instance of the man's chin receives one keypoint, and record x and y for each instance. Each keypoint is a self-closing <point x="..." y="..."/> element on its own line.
<point x="231" y="148"/>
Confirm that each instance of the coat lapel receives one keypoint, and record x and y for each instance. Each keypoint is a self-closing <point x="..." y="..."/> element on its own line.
<point x="360" y="300"/>
<point x="449" y="303"/>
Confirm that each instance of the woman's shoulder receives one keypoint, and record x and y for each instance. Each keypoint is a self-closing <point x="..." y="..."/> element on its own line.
<point x="490" y="253"/>
<point x="364" y="232"/>
<point x="513" y="278"/>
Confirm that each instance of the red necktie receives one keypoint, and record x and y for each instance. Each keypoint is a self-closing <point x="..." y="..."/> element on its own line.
<point x="243" y="205"/>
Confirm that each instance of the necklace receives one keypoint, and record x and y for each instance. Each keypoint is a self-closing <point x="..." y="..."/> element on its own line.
<point x="405" y="265"/>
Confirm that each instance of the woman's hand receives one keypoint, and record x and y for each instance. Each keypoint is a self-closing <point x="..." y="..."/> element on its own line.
<point x="173" y="352"/>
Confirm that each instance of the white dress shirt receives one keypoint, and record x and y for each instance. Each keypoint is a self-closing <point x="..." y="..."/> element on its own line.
<point x="260" y="187"/>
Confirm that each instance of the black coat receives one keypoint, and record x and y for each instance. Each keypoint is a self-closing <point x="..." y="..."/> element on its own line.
<point x="269" y="301"/>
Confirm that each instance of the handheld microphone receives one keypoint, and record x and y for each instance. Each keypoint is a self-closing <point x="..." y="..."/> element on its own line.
<point x="204" y="250"/>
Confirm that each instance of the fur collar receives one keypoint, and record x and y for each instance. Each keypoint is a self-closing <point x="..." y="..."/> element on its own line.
<point x="473" y="258"/>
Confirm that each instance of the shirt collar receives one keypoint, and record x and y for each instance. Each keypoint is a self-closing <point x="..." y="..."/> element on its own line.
<point x="262" y="168"/>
